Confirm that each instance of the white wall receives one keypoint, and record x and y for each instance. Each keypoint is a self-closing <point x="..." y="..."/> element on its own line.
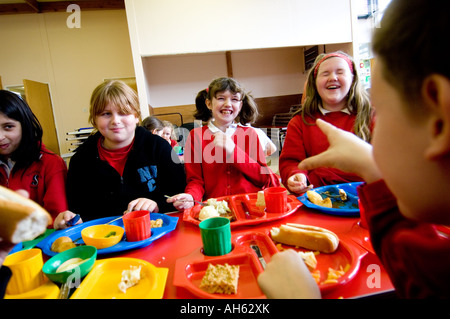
<point x="174" y="26"/>
<point x="264" y="72"/>
<point x="40" y="47"/>
<point x="178" y="46"/>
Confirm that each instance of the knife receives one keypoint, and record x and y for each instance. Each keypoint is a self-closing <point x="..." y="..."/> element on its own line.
<point x="258" y="253"/>
<point x="247" y="214"/>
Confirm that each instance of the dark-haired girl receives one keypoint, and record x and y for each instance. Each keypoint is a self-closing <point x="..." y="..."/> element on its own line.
<point x="225" y="156"/>
<point x="25" y="163"/>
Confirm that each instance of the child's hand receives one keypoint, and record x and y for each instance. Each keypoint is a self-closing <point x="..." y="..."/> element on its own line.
<point x="62" y="219"/>
<point x="181" y="201"/>
<point x="5" y="249"/>
<point x="224" y="141"/>
<point x="297" y="183"/>
<point x="143" y="204"/>
<point x="346" y="152"/>
<point x="287" y="277"/>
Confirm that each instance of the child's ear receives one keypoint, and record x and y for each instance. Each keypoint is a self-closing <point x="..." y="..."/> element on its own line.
<point x="208" y="104"/>
<point x="436" y="95"/>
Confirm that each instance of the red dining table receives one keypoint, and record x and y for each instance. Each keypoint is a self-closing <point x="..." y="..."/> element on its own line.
<point x="370" y="278"/>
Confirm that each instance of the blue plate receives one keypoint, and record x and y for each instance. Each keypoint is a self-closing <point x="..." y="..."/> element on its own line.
<point x="74" y="232"/>
<point x="348" y="208"/>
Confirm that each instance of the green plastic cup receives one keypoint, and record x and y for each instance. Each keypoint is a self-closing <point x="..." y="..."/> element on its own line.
<point x="216" y="236"/>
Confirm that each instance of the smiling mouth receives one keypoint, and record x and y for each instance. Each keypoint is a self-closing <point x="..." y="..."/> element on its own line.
<point x="333" y="87"/>
<point x="4" y="146"/>
<point x="226" y="112"/>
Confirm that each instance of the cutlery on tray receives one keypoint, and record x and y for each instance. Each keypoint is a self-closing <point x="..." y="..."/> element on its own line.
<point x="64" y="291"/>
<point x="258" y="253"/>
<point x="187" y="200"/>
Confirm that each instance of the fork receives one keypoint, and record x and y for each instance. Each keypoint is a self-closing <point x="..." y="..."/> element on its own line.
<point x="187" y="200"/>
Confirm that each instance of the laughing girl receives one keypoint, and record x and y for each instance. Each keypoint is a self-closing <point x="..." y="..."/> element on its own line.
<point x="225" y="157"/>
<point x="334" y="94"/>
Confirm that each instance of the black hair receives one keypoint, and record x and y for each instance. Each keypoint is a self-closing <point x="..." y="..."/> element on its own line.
<point x="29" y="149"/>
<point x="202" y="112"/>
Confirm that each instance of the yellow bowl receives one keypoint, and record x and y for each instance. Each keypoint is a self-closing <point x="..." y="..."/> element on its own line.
<point x="102" y="236"/>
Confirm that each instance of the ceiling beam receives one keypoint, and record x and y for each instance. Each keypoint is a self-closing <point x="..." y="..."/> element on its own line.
<point x="33" y="6"/>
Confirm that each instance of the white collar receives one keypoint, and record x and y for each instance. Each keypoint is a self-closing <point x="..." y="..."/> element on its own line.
<point x="8" y="165"/>
<point x="324" y="111"/>
<point x="229" y="131"/>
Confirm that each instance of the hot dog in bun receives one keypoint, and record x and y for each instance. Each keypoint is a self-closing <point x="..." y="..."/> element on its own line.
<point x="21" y="219"/>
<point x="309" y="237"/>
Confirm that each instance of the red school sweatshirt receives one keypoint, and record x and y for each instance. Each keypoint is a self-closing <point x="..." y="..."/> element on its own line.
<point x="306" y="140"/>
<point x="210" y="174"/>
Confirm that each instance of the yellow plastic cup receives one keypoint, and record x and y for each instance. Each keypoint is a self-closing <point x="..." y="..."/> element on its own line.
<point x="26" y="267"/>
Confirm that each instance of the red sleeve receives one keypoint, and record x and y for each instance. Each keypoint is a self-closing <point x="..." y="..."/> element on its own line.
<point x="193" y="157"/>
<point x="55" y="175"/>
<point x="293" y="151"/>
<point x="250" y="159"/>
<point x="412" y="252"/>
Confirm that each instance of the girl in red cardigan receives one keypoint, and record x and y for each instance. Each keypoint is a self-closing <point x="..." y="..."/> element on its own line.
<point x="25" y="162"/>
<point x="224" y="157"/>
<point x="333" y="94"/>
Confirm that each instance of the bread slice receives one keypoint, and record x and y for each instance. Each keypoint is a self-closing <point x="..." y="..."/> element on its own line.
<point x="21" y="219"/>
<point x="221" y="279"/>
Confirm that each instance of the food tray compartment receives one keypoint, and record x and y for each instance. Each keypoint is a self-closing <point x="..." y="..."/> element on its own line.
<point x="244" y="210"/>
<point x="190" y="269"/>
<point x="103" y="280"/>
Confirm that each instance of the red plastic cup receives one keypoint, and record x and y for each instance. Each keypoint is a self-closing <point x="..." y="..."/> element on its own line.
<point x="137" y="225"/>
<point x="276" y="199"/>
<point x="363" y="222"/>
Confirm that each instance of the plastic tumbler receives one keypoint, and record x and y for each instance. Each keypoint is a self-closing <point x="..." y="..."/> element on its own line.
<point x="216" y="236"/>
<point x="363" y="222"/>
<point x="137" y="225"/>
<point x="276" y="199"/>
<point x="26" y="267"/>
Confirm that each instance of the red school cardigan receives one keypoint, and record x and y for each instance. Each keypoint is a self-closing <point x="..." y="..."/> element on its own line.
<point x="306" y="140"/>
<point x="44" y="180"/>
<point x="211" y="174"/>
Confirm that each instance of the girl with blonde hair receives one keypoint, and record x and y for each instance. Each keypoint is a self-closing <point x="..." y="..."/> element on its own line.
<point x="334" y="94"/>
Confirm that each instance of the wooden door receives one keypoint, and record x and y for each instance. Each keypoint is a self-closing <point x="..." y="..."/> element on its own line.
<point x="38" y="98"/>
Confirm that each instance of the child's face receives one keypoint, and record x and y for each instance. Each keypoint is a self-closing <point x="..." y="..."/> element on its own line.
<point x="158" y="132"/>
<point x="225" y="107"/>
<point x="333" y="82"/>
<point x="400" y="140"/>
<point x="10" y="135"/>
<point x="117" y="128"/>
<point x="166" y="133"/>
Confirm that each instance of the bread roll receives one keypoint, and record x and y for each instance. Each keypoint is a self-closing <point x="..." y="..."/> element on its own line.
<point x="61" y="244"/>
<point x="309" y="237"/>
<point x="21" y="219"/>
<point x="316" y="199"/>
